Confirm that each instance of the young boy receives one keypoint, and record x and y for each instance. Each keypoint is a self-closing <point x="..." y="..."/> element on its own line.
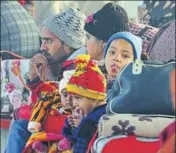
<point x="88" y="89"/>
<point x="121" y="49"/>
<point x="54" y="120"/>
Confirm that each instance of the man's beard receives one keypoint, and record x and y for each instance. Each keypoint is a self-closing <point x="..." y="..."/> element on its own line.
<point x="51" y="60"/>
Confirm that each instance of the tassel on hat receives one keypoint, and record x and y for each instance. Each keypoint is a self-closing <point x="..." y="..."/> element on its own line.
<point x="66" y="77"/>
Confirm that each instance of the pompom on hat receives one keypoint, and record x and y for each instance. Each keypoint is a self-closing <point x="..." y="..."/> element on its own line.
<point x="88" y="80"/>
<point x="49" y="86"/>
<point x="66" y="77"/>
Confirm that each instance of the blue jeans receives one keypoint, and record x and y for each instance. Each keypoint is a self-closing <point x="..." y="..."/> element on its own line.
<point x="18" y="136"/>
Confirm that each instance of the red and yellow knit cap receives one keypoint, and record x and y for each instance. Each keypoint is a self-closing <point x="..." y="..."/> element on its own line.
<point x="49" y="86"/>
<point x="88" y="80"/>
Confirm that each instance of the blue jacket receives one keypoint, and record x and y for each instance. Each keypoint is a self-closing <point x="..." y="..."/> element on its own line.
<point x="81" y="136"/>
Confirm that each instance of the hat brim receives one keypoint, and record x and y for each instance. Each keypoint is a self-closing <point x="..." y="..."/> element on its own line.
<point x="85" y="92"/>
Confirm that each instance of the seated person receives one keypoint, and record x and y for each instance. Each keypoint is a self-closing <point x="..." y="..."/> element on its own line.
<point x="58" y="108"/>
<point x="121" y="49"/>
<point x="87" y="87"/>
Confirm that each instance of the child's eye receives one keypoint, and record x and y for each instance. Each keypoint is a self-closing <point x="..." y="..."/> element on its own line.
<point x="125" y="56"/>
<point x="76" y="97"/>
<point x="112" y="52"/>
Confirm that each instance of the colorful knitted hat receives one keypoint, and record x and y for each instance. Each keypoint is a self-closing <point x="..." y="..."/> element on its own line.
<point x="110" y="19"/>
<point x="88" y="80"/>
<point x="49" y="86"/>
<point x="69" y="27"/>
<point x="67" y="65"/>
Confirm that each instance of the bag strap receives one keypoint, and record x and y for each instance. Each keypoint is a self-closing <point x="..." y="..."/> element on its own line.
<point x="5" y="55"/>
<point x="92" y="141"/>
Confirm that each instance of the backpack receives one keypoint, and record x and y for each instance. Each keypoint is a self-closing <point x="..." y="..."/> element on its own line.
<point x="162" y="46"/>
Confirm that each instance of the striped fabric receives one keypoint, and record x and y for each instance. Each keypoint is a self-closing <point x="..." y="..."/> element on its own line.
<point x="146" y="35"/>
<point x="19" y="33"/>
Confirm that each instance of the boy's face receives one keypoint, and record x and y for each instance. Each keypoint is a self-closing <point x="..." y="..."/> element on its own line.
<point x="66" y="99"/>
<point x="83" y="103"/>
<point x="119" y="54"/>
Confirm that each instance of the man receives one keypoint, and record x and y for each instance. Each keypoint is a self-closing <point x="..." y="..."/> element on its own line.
<point x="61" y="35"/>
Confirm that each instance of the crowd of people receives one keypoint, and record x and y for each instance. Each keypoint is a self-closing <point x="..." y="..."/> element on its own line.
<point x="74" y="61"/>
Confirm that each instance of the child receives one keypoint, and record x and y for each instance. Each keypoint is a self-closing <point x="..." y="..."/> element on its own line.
<point x="121" y="49"/>
<point x="88" y="89"/>
<point x="65" y="97"/>
<point x="63" y="105"/>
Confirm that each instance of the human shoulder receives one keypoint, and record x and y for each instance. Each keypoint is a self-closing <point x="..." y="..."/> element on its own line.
<point x="82" y="50"/>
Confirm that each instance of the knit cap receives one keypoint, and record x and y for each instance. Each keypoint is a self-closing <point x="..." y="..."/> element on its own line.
<point x="110" y="19"/>
<point x="48" y="86"/>
<point x="67" y="65"/>
<point x="88" y="80"/>
<point x="135" y="41"/>
<point x="66" y="77"/>
<point x="68" y="26"/>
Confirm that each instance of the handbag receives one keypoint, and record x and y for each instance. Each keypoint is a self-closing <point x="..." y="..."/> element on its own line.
<point x="142" y="87"/>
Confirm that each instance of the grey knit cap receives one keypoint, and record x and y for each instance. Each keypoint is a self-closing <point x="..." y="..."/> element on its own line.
<point x="68" y="26"/>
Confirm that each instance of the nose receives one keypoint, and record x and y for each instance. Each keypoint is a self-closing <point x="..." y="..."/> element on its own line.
<point x="74" y="102"/>
<point x="69" y="99"/>
<point x="43" y="46"/>
<point x="117" y="57"/>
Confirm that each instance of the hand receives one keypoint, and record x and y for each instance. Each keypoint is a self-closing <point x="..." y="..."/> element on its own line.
<point x="77" y="121"/>
<point x="36" y="62"/>
<point x="64" y="144"/>
<point x="77" y="117"/>
<point x="16" y="68"/>
<point x="70" y="120"/>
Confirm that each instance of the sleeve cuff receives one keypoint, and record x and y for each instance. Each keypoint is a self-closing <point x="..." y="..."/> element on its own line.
<point x="34" y="83"/>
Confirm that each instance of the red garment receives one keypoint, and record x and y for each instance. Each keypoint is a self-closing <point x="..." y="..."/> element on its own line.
<point x="130" y="145"/>
<point x="167" y="139"/>
<point x="55" y="122"/>
<point x="24" y="112"/>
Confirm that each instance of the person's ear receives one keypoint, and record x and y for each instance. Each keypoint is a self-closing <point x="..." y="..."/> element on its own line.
<point x="104" y="44"/>
<point x="96" y="101"/>
<point x="67" y="49"/>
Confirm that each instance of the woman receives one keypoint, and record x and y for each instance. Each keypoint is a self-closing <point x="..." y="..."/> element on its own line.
<point x="100" y="27"/>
